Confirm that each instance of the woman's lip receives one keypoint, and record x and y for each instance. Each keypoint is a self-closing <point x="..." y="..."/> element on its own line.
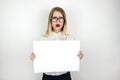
<point x="57" y="25"/>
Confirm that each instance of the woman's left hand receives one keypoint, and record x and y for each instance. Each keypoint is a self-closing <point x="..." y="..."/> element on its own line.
<point x="80" y="55"/>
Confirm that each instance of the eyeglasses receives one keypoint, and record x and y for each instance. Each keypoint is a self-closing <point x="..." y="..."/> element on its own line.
<point x="54" y="19"/>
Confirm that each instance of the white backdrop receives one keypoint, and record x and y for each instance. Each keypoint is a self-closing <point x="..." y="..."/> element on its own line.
<point x="94" y="22"/>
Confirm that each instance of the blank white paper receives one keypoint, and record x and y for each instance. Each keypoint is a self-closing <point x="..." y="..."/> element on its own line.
<point x="56" y="56"/>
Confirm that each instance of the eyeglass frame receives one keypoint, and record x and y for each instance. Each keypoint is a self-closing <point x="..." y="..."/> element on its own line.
<point x="58" y="19"/>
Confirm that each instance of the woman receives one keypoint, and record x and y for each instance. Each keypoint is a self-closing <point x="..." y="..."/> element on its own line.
<point x="57" y="30"/>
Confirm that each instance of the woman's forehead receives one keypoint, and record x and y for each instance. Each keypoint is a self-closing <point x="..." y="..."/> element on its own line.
<point x="57" y="14"/>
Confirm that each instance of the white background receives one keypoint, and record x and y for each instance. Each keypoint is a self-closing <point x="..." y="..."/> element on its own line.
<point x="94" y="22"/>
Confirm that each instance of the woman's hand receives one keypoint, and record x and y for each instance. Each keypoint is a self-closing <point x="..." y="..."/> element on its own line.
<point x="80" y="55"/>
<point x="32" y="56"/>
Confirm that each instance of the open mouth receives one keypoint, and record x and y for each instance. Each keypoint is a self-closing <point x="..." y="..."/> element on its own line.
<point x="57" y="25"/>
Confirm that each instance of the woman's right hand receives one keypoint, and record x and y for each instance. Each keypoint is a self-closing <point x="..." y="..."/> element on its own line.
<point x="32" y="56"/>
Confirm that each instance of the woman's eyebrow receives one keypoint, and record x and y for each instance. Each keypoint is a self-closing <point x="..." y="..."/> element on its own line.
<point x="58" y="17"/>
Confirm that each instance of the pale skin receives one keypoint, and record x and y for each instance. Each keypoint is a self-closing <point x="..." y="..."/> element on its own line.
<point x="56" y="30"/>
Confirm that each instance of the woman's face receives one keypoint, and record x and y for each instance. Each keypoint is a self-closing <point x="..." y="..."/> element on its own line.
<point x="57" y="21"/>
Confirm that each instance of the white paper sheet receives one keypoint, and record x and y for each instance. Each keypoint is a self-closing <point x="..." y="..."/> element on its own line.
<point x="56" y="56"/>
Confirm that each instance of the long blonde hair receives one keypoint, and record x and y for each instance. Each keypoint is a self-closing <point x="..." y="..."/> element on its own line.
<point x="49" y="27"/>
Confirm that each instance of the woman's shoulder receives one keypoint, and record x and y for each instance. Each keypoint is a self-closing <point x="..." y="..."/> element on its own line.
<point x="43" y="37"/>
<point x="70" y="37"/>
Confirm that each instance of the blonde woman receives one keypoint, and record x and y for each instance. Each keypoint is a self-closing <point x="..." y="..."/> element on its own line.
<point x="57" y="30"/>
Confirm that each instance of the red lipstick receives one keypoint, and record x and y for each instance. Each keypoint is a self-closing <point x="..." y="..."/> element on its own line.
<point x="57" y="25"/>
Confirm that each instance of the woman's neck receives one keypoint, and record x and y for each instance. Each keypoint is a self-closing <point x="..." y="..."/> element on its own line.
<point x="57" y="31"/>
